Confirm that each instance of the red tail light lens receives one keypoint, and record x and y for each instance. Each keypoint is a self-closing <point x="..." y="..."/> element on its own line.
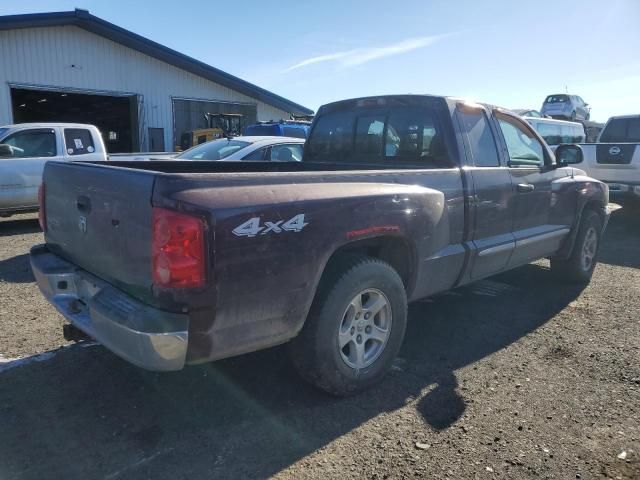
<point x="177" y="250"/>
<point x="42" y="213"/>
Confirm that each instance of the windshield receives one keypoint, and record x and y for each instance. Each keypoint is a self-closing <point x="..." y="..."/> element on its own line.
<point x="557" y="99"/>
<point x="621" y="130"/>
<point x="215" y="150"/>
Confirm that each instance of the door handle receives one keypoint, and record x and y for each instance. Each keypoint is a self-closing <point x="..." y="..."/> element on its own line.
<point x="526" y="187"/>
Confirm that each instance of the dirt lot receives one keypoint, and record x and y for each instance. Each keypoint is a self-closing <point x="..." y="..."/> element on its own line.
<point x="516" y="377"/>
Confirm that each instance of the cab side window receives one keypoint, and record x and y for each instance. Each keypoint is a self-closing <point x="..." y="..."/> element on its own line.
<point x="32" y="143"/>
<point x="286" y="153"/>
<point x="78" y="141"/>
<point x="525" y="150"/>
<point x="479" y="138"/>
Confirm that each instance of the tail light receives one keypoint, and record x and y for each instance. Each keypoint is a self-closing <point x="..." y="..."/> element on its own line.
<point x="177" y="250"/>
<point x="42" y="212"/>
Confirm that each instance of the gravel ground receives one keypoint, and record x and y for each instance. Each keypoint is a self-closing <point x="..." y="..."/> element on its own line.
<point x="514" y="377"/>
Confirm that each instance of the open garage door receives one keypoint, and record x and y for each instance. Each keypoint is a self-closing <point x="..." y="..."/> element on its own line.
<point x="115" y="116"/>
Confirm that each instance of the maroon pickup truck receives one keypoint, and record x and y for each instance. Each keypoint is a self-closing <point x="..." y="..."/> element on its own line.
<point x="168" y="263"/>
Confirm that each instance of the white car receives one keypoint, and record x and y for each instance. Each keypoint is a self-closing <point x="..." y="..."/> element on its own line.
<point x="257" y="149"/>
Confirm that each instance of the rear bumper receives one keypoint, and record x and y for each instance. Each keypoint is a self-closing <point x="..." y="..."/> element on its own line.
<point x="143" y="335"/>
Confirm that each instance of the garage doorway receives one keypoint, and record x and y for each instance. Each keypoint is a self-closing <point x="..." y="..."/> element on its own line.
<point x="115" y="116"/>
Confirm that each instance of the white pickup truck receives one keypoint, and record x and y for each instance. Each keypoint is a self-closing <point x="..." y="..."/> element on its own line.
<point x="26" y="147"/>
<point x="615" y="158"/>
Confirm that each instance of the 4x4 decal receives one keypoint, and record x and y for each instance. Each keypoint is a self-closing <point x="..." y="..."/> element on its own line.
<point x="252" y="227"/>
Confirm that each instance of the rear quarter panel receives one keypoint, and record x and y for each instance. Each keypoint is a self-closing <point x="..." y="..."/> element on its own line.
<point x="262" y="286"/>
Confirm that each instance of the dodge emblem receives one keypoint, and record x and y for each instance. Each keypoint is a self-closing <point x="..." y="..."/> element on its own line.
<point x="82" y="224"/>
<point x="615" y="150"/>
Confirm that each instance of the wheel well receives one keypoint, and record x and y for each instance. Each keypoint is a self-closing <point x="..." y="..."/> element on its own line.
<point x="595" y="206"/>
<point x="393" y="250"/>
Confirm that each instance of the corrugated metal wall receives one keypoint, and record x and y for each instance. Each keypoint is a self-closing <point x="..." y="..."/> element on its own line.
<point x="70" y="57"/>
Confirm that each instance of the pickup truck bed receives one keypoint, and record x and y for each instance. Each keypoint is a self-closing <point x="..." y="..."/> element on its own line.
<point x="172" y="262"/>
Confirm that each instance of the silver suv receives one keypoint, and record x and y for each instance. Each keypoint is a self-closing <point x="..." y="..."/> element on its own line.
<point x="562" y="106"/>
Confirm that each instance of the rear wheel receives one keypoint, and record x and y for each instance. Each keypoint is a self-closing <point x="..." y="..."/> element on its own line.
<point x="578" y="268"/>
<point x="355" y="327"/>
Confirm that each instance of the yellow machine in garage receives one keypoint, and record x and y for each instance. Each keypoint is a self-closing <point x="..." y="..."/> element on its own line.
<point x="220" y="125"/>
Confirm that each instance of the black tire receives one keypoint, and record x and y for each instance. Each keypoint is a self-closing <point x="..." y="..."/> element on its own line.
<point x="316" y="353"/>
<point x="574" y="269"/>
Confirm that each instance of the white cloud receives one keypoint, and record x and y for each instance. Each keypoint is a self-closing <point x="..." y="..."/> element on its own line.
<point x="358" y="56"/>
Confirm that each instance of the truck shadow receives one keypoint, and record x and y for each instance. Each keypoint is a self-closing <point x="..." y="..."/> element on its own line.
<point x="16" y="269"/>
<point x="621" y="239"/>
<point x="85" y="413"/>
<point x="19" y="227"/>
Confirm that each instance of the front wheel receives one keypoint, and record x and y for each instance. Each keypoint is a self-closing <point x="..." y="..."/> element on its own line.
<point x="578" y="268"/>
<point x="355" y="327"/>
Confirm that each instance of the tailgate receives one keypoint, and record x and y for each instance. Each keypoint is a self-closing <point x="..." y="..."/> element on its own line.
<point x="99" y="218"/>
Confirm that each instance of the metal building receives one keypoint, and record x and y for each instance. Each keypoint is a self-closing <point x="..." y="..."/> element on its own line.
<point x="143" y="96"/>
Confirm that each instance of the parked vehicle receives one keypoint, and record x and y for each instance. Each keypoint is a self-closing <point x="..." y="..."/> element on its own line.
<point x="569" y="107"/>
<point x="523" y="112"/>
<point x="615" y="159"/>
<point x="26" y="147"/>
<point x="276" y="149"/>
<point x="397" y="198"/>
<point x="218" y="125"/>
<point x="556" y="132"/>
<point x="285" y="128"/>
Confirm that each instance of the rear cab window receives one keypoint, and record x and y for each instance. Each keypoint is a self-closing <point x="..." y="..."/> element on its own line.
<point x="380" y="131"/>
<point x="78" y="141"/>
<point x="621" y="130"/>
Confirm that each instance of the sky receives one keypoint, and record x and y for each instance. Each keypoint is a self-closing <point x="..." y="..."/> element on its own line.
<point x="509" y="53"/>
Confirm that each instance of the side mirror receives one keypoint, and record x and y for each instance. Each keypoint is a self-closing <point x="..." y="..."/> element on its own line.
<point x="568" y="154"/>
<point x="6" y="150"/>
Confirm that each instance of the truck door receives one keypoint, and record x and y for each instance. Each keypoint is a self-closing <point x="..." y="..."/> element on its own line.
<point x="492" y="194"/>
<point x="544" y="203"/>
<point x="21" y="173"/>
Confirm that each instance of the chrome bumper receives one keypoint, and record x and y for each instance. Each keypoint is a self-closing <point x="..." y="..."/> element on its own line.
<point x="143" y="335"/>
